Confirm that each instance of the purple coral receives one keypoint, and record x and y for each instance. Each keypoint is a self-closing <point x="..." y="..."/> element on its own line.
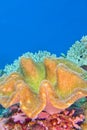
<point x="69" y="119"/>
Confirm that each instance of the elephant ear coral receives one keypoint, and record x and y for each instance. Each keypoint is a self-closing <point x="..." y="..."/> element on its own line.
<point x="35" y="90"/>
<point x="43" y="83"/>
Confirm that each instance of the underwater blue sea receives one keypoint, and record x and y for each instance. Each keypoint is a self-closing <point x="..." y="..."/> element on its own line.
<point x="33" y="25"/>
<point x="40" y="94"/>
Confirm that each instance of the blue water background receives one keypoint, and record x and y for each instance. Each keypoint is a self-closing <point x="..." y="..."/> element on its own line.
<point x="32" y="25"/>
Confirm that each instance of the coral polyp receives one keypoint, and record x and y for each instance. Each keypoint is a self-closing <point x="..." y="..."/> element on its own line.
<point x="51" y="85"/>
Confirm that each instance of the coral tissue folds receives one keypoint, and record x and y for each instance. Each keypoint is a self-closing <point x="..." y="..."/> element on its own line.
<point x="53" y="84"/>
<point x="45" y="88"/>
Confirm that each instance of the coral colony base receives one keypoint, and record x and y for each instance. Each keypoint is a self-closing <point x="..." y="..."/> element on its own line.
<point x="44" y="92"/>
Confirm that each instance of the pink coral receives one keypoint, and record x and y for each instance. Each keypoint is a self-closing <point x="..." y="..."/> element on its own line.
<point x="69" y="119"/>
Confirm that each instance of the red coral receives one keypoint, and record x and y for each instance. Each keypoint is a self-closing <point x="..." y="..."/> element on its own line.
<point x="65" y="120"/>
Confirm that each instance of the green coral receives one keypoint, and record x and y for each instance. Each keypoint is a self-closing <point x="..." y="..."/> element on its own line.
<point x="79" y="103"/>
<point x="37" y="57"/>
<point x="72" y="66"/>
<point x="78" y="52"/>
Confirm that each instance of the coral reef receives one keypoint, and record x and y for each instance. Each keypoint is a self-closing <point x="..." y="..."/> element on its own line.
<point x="69" y="119"/>
<point x="37" y="57"/>
<point x="43" y="92"/>
<point x="78" y="52"/>
<point x="84" y="107"/>
<point x="42" y="80"/>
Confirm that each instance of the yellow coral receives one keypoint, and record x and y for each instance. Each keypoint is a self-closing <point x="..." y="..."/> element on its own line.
<point x="55" y="83"/>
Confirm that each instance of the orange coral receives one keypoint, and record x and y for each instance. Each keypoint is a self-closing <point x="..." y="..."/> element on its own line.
<point x="56" y="84"/>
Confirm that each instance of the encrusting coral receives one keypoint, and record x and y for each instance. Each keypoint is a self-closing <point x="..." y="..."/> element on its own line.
<point x="45" y="83"/>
